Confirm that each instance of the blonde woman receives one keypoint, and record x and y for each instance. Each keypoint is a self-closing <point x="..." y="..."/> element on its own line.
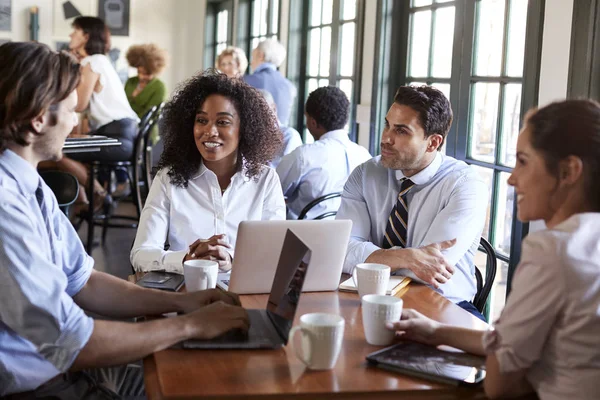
<point x="232" y="62"/>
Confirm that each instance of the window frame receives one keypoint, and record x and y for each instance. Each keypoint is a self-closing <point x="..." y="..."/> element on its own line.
<point x="212" y="11"/>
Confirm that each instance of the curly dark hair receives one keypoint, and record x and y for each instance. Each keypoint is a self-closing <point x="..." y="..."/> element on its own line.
<point x="99" y="35"/>
<point x="260" y="137"/>
<point x="148" y="56"/>
<point x="329" y="106"/>
<point x="435" y="112"/>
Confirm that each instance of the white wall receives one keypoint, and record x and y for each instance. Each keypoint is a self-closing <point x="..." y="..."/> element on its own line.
<point x="175" y="25"/>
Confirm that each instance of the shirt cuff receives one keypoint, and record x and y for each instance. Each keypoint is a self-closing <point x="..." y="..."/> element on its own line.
<point x="508" y="360"/>
<point x="173" y="261"/>
<point x="78" y="279"/>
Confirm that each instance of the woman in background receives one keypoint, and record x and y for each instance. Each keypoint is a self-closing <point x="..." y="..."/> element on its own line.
<point x="219" y="135"/>
<point x="145" y="90"/>
<point x="232" y="62"/>
<point x="100" y="93"/>
<point x="547" y="339"/>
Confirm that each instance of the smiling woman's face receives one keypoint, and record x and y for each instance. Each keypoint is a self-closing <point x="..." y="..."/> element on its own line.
<point x="217" y="130"/>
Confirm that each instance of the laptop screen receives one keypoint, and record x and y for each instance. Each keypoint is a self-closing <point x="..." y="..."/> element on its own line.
<point x="287" y="283"/>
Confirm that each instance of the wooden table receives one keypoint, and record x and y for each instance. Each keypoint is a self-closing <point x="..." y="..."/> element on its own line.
<point x="278" y="374"/>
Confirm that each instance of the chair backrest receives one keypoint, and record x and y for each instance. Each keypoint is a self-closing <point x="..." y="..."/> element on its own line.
<point x="485" y="286"/>
<point x="146" y="117"/>
<point x="318" y="200"/>
<point x="64" y="186"/>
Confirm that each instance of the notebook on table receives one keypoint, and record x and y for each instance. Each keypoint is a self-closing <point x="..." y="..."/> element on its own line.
<point x="395" y="284"/>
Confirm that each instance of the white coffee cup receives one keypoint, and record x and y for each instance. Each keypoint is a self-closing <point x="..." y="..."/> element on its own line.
<point x="322" y="336"/>
<point x="376" y="311"/>
<point x="200" y="274"/>
<point x="371" y="278"/>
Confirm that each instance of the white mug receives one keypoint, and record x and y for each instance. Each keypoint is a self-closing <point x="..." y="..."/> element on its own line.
<point x="371" y="278"/>
<point x="322" y="336"/>
<point x="377" y="310"/>
<point x="200" y="274"/>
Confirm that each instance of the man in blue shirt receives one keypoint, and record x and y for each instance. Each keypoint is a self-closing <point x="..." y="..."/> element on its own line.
<point x="322" y="167"/>
<point x="266" y="58"/>
<point x="47" y="280"/>
<point x="413" y="208"/>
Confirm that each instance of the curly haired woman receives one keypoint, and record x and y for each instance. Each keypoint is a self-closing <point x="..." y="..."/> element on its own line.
<point x="219" y="136"/>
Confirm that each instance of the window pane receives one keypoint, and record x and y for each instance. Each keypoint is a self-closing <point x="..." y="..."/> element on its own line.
<point x="255" y="42"/>
<point x="487" y="175"/>
<point x="443" y="1"/>
<point x="313" y="84"/>
<point x="498" y="293"/>
<point x="346" y="86"/>
<point x="256" y="6"/>
<point x="275" y="16"/>
<point x="516" y="38"/>
<point x="221" y="47"/>
<point x="347" y="49"/>
<point x="416" y="83"/>
<point x="490" y="32"/>
<point x="420" y="34"/>
<point x="510" y="123"/>
<point x="443" y="37"/>
<point x="504" y="214"/>
<point x="484" y="121"/>
<point x="327" y="11"/>
<point x="264" y="12"/>
<point x="315" y="15"/>
<point x="323" y="82"/>
<point x="325" y="51"/>
<point x="443" y="87"/>
<point x="314" y="50"/>
<point x="349" y="9"/>
<point x="419" y="3"/>
<point x="222" y="25"/>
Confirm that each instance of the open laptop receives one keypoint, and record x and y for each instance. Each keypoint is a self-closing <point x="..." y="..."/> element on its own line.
<point x="270" y="328"/>
<point x="258" y="245"/>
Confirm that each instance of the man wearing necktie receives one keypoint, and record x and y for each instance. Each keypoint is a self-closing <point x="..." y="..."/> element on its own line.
<point x="413" y="208"/>
<point x="47" y="280"/>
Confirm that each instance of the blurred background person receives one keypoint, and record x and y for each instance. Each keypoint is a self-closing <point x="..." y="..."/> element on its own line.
<point x="266" y="58"/>
<point x="145" y="90"/>
<point x="232" y="62"/>
<point x="291" y="137"/>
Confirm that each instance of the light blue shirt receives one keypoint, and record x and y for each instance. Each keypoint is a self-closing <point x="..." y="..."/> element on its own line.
<point x="317" y="169"/>
<point x="448" y="200"/>
<point x="42" y="266"/>
<point x="291" y="140"/>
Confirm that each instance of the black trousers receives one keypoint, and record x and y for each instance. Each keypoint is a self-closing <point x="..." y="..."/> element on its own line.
<point x="125" y="130"/>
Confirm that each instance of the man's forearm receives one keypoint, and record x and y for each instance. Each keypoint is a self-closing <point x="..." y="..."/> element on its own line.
<point x="116" y="343"/>
<point x="113" y="297"/>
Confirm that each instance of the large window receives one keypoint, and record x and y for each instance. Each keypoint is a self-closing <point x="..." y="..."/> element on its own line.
<point x="473" y="51"/>
<point x="218" y="30"/>
<point x="329" y="35"/>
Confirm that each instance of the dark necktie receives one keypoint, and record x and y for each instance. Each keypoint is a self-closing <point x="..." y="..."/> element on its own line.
<point x="395" y="230"/>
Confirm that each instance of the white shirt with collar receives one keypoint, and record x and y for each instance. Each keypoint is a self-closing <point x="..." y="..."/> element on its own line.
<point x="448" y="200"/>
<point x="317" y="169"/>
<point x="182" y="215"/>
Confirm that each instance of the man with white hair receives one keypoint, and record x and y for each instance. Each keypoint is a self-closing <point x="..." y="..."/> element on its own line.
<point x="266" y="58"/>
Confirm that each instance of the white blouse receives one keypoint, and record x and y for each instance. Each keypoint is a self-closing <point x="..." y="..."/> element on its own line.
<point x="110" y="103"/>
<point x="551" y="323"/>
<point x="183" y="215"/>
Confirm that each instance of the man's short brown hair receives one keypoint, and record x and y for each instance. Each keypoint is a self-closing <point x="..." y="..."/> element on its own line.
<point x="33" y="78"/>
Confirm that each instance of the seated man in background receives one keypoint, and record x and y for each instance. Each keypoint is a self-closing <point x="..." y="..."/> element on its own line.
<point x="413" y="208"/>
<point x="320" y="168"/>
<point x="47" y="280"/>
<point x="266" y="58"/>
<point x="291" y="137"/>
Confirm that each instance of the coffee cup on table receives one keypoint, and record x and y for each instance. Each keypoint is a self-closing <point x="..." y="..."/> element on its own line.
<point x="322" y="336"/>
<point x="377" y="310"/>
<point x="370" y="278"/>
<point x="200" y="274"/>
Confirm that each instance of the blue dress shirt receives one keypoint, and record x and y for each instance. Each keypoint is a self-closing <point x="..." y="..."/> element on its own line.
<point x="317" y="169"/>
<point x="266" y="76"/>
<point x="291" y="140"/>
<point x="449" y="200"/>
<point x="42" y="266"/>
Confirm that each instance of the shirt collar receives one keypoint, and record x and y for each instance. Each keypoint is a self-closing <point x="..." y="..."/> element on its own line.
<point x="202" y="170"/>
<point x="423" y="176"/>
<point x="28" y="177"/>
<point x="265" y="65"/>
<point x="339" y="134"/>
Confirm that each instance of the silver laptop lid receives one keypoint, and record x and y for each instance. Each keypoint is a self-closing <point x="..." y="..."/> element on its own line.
<point x="287" y="283"/>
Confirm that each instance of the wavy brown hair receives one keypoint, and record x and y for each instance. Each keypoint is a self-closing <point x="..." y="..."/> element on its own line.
<point x="98" y="34"/>
<point x="33" y="79"/>
<point x="148" y="56"/>
<point x="260" y="137"/>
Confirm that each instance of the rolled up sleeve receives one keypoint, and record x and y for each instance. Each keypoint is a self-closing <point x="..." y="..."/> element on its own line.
<point x="35" y="292"/>
<point x="354" y="207"/>
<point x="535" y="302"/>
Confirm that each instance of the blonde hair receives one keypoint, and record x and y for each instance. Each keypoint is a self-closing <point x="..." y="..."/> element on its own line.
<point x="148" y="56"/>
<point x="238" y="56"/>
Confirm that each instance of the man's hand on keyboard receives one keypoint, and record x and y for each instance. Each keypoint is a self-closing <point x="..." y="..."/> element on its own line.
<point x="192" y="301"/>
<point x="215" y="320"/>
